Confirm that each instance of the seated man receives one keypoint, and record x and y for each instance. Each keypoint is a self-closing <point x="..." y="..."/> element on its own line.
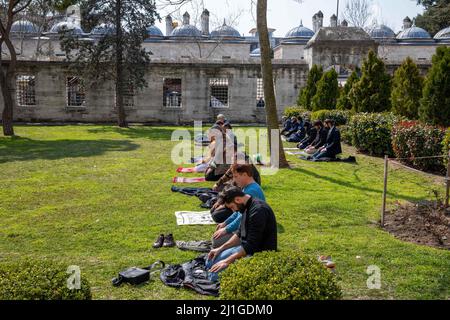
<point x="258" y="231"/>
<point x="287" y="125"/>
<point x="300" y="134"/>
<point x="243" y="178"/>
<point x="320" y="140"/>
<point x="333" y="145"/>
<point x="296" y="125"/>
<point x="311" y="135"/>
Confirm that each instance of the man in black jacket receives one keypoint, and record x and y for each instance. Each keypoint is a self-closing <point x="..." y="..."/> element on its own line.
<point x="320" y="140"/>
<point x="258" y="231"/>
<point x="333" y="145"/>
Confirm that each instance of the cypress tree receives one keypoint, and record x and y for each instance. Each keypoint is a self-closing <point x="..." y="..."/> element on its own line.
<point x="435" y="104"/>
<point x="307" y="93"/>
<point x="373" y="91"/>
<point x="407" y="86"/>
<point x="343" y="102"/>
<point x="327" y="92"/>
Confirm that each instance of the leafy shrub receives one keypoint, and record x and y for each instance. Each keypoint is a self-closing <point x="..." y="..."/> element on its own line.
<point x="306" y="94"/>
<point x="31" y="280"/>
<point x="279" y="276"/>
<point x="327" y="92"/>
<point x="446" y="145"/>
<point x="411" y="139"/>
<point x="340" y="116"/>
<point x="371" y="132"/>
<point x="296" y="112"/>
<point x="343" y="102"/>
<point x="346" y="134"/>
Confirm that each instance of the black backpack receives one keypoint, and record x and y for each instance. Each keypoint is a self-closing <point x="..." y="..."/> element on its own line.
<point x="136" y="276"/>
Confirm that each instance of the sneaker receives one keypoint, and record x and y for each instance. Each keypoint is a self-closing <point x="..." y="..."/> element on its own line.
<point x="169" y="241"/>
<point x="159" y="242"/>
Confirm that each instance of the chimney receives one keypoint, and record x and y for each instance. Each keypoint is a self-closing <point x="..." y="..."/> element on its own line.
<point x="333" y="21"/>
<point x="319" y="20"/>
<point x="315" y="23"/>
<point x="407" y="23"/>
<point x="186" y="19"/>
<point x="205" y="22"/>
<point x="169" y="25"/>
<point x="344" y="23"/>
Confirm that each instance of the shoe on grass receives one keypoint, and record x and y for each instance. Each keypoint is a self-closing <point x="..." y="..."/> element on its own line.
<point x="169" y="242"/>
<point x="159" y="242"/>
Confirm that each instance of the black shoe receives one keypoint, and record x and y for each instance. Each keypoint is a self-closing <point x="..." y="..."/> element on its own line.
<point x="159" y="242"/>
<point x="169" y="241"/>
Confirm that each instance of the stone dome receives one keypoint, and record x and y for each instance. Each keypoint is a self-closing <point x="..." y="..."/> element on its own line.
<point x="24" y="26"/>
<point x="186" y="31"/>
<point x="414" y="33"/>
<point x="154" y="32"/>
<point x="256" y="53"/>
<point x="225" y="31"/>
<point x="443" y="34"/>
<point x="103" y="29"/>
<point x="65" y="26"/>
<point x="300" y="32"/>
<point x="382" y="32"/>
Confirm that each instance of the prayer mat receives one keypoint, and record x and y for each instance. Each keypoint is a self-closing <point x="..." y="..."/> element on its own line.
<point x="188" y="180"/>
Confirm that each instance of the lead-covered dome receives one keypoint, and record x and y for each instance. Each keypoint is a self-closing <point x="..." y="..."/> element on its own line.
<point x="66" y="26"/>
<point x="103" y="29"/>
<point x="24" y="26"/>
<point x="443" y="35"/>
<point x="414" y="33"/>
<point x="382" y="32"/>
<point x="226" y="31"/>
<point x="154" y="32"/>
<point x="300" y="32"/>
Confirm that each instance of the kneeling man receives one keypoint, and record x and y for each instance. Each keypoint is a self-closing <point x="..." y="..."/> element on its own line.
<point x="258" y="231"/>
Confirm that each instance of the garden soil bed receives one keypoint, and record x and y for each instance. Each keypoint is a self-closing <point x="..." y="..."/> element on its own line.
<point x="423" y="223"/>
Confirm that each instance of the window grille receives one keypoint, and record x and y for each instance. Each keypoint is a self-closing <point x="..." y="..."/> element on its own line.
<point x="172" y="97"/>
<point x="219" y="93"/>
<point x="26" y="90"/>
<point x="76" y="96"/>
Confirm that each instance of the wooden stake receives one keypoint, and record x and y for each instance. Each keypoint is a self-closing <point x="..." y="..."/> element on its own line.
<point x="383" y="210"/>
<point x="447" y="194"/>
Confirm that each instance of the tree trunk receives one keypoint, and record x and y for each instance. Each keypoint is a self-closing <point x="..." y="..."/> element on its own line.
<point x="6" y="86"/>
<point x="122" y="122"/>
<point x="267" y="73"/>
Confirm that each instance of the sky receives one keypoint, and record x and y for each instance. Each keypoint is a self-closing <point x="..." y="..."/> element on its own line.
<point x="283" y="15"/>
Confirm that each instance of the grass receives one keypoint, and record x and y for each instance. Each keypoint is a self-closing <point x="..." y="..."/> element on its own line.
<point x="98" y="196"/>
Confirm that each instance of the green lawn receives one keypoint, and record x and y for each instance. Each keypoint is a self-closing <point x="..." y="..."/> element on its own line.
<point x="97" y="197"/>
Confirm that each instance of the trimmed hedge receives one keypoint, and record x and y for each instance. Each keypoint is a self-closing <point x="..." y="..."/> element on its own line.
<point x="279" y="276"/>
<point x="340" y="116"/>
<point x="371" y="132"/>
<point x="346" y="135"/>
<point x="412" y="139"/>
<point x="43" y="280"/>
<point x="296" y="111"/>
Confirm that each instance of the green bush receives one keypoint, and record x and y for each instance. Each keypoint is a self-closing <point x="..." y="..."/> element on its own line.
<point x="411" y="139"/>
<point x="44" y="280"/>
<point x="446" y="145"/>
<point x="278" y="276"/>
<point x="346" y="135"/>
<point x="306" y="94"/>
<point x="296" y="112"/>
<point x="371" y="132"/>
<point x="327" y="92"/>
<point x="340" y="116"/>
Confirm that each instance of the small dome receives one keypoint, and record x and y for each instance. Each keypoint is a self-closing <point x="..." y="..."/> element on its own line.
<point x="414" y="33"/>
<point x="443" y="34"/>
<point x="382" y="32"/>
<point x="154" y="32"/>
<point x="225" y="32"/>
<point x="186" y="30"/>
<point x="102" y="30"/>
<point x="66" y="26"/>
<point x="256" y="53"/>
<point x="300" y="32"/>
<point x="24" y="26"/>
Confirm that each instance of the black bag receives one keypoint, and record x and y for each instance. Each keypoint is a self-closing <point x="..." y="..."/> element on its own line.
<point x="136" y="276"/>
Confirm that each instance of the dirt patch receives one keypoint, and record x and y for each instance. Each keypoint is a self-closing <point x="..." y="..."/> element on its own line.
<point x="426" y="223"/>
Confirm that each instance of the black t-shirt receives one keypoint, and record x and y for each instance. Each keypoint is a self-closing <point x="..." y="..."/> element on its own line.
<point x="258" y="227"/>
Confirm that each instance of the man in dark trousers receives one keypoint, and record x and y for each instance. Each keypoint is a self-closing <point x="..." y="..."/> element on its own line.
<point x="333" y="145"/>
<point x="258" y="231"/>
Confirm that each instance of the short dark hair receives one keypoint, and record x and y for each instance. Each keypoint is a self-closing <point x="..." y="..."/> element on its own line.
<point x="318" y="123"/>
<point x="228" y="195"/>
<point x="243" y="168"/>
<point x="330" y="121"/>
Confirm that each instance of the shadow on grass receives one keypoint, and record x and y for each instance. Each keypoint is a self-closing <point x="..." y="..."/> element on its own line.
<point x="346" y="184"/>
<point x="24" y="149"/>
<point x="151" y="133"/>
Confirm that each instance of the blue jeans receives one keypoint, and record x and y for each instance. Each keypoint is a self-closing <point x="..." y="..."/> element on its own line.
<point x="214" y="276"/>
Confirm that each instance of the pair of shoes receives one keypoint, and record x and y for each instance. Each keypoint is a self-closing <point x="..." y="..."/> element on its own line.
<point x="165" y="241"/>
<point x="327" y="262"/>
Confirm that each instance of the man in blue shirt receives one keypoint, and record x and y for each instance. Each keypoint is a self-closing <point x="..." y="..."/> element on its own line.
<point x="243" y="178"/>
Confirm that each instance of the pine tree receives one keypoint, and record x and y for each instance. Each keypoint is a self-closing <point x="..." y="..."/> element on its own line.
<point x="435" y="104"/>
<point x="407" y="86"/>
<point x="373" y="91"/>
<point x="343" y="102"/>
<point x="307" y="93"/>
<point x="327" y="92"/>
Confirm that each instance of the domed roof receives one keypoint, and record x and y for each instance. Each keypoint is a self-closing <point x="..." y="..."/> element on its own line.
<point x="154" y="32"/>
<point x="300" y="32"/>
<point x="382" y="32"/>
<point x="66" y="26"/>
<point x="103" y="29"/>
<point x="24" y="26"/>
<point x="225" y="31"/>
<point x="256" y="52"/>
<point x="443" y="34"/>
<point x="186" y="30"/>
<point x="414" y="33"/>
